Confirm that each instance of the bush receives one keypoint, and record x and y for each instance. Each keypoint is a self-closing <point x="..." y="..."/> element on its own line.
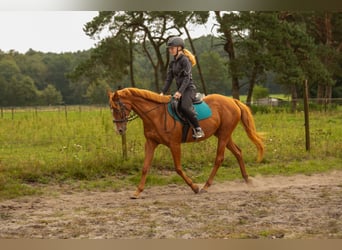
<point x="260" y="92"/>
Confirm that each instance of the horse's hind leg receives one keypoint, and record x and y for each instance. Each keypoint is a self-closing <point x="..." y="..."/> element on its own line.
<point x="218" y="161"/>
<point x="238" y="155"/>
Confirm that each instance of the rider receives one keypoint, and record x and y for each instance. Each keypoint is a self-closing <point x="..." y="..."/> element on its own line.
<point x="180" y="69"/>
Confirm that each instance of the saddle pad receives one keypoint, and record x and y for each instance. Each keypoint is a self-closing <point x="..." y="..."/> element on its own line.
<point x="202" y="109"/>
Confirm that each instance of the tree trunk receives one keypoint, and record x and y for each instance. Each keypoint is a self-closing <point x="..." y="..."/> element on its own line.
<point x="294" y="97"/>
<point x="251" y="85"/>
<point x="229" y="48"/>
<point x="328" y="42"/>
<point x="204" y="87"/>
<point x="324" y="91"/>
<point x="320" y="93"/>
<point x="156" y="79"/>
<point x="160" y="65"/>
<point x="155" y="66"/>
<point x="131" y="71"/>
<point x="328" y="93"/>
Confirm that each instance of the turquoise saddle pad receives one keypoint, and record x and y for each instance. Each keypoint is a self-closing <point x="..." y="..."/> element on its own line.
<point x="202" y="109"/>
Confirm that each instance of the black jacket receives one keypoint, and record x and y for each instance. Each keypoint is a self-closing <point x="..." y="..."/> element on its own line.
<point x="180" y="70"/>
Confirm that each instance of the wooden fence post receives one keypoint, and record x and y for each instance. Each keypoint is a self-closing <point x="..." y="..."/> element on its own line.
<point x="65" y="112"/>
<point x="124" y="146"/>
<point x="306" y="115"/>
<point x="123" y="140"/>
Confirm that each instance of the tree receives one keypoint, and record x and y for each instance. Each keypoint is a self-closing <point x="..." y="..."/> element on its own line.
<point x="325" y="27"/>
<point x="16" y="88"/>
<point x="227" y="31"/>
<point x="32" y="64"/>
<point x="252" y="36"/>
<point x="58" y="65"/>
<point x="295" y="54"/>
<point x="156" y="26"/>
<point x="21" y="92"/>
<point x="9" y="68"/>
<point x="148" y="28"/>
<point x="50" y="96"/>
<point x="214" y="71"/>
<point x="260" y="92"/>
<point x="107" y="62"/>
<point x="96" y="92"/>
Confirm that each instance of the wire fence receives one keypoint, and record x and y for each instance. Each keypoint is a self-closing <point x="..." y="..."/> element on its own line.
<point x="272" y="101"/>
<point x="64" y="109"/>
<point x="52" y="133"/>
<point x="291" y="105"/>
<point x="315" y="103"/>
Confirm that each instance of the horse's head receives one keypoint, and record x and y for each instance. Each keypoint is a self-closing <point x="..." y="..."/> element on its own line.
<point x="120" y="111"/>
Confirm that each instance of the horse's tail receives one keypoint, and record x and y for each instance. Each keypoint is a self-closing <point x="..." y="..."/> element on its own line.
<point x="249" y="126"/>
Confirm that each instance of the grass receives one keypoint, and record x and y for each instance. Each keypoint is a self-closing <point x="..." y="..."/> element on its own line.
<point x="81" y="149"/>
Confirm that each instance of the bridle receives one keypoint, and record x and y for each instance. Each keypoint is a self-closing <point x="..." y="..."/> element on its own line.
<point x="130" y="117"/>
<point x="122" y="110"/>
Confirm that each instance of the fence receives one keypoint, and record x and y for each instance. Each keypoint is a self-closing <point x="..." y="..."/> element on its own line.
<point x="61" y="109"/>
<point x="319" y="104"/>
<point x="322" y="104"/>
<point x="272" y="101"/>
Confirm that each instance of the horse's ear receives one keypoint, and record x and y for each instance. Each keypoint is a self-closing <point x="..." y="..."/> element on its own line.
<point x="109" y="92"/>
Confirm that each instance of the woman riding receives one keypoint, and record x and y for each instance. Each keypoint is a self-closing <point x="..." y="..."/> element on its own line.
<point x="180" y="70"/>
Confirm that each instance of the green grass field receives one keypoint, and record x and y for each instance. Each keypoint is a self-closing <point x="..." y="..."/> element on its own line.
<point x="39" y="149"/>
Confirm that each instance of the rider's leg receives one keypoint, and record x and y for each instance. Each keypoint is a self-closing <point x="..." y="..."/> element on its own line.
<point x="188" y="110"/>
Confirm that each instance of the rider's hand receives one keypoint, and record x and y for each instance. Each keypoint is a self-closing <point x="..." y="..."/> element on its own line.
<point x="177" y="95"/>
<point x="161" y="93"/>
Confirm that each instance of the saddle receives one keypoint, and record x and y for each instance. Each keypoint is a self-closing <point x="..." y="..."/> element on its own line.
<point x="202" y="110"/>
<point x="175" y="107"/>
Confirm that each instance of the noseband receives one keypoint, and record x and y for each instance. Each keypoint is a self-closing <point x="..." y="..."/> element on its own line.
<point x="122" y="110"/>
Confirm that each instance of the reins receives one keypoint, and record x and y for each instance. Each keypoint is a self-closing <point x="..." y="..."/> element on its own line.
<point x="127" y="118"/>
<point x="174" y="121"/>
<point x="165" y="115"/>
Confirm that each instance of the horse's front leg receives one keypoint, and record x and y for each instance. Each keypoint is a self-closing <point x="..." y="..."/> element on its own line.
<point x="218" y="161"/>
<point x="176" y="154"/>
<point x="150" y="146"/>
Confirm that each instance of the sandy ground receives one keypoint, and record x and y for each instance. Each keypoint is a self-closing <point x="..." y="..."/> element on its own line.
<point x="299" y="206"/>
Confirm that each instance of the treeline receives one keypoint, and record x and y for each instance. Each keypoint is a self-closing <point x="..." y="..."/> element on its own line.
<point x="37" y="78"/>
<point x="274" y="50"/>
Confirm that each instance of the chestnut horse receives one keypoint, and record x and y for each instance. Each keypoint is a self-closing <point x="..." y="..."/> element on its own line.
<point x="161" y="128"/>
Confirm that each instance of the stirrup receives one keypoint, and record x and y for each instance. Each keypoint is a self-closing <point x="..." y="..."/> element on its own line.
<point x="197" y="133"/>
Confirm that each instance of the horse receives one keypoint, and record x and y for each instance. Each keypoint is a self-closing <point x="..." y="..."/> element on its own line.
<point x="161" y="128"/>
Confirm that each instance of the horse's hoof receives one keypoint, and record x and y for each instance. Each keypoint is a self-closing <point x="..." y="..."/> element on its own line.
<point x="196" y="189"/>
<point x="249" y="182"/>
<point x="134" y="196"/>
<point x="203" y="191"/>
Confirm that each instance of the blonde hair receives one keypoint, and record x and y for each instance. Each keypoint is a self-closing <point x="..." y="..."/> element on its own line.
<point x="191" y="57"/>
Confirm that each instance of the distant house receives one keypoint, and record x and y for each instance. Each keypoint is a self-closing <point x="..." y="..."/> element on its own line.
<point x="269" y="101"/>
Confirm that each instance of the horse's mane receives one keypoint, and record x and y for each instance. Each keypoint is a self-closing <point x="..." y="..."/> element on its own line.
<point x="146" y="94"/>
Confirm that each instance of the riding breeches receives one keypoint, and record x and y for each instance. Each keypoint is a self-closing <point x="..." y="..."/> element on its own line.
<point x="187" y="108"/>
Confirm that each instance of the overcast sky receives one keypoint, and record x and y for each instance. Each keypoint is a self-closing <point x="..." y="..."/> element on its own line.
<point x="51" y="31"/>
<point x="46" y="31"/>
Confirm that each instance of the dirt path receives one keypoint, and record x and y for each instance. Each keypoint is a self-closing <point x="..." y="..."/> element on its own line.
<point x="273" y="207"/>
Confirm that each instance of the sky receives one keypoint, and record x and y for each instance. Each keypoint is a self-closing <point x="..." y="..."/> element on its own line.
<point x="46" y="31"/>
<point x="52" y="31"/>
